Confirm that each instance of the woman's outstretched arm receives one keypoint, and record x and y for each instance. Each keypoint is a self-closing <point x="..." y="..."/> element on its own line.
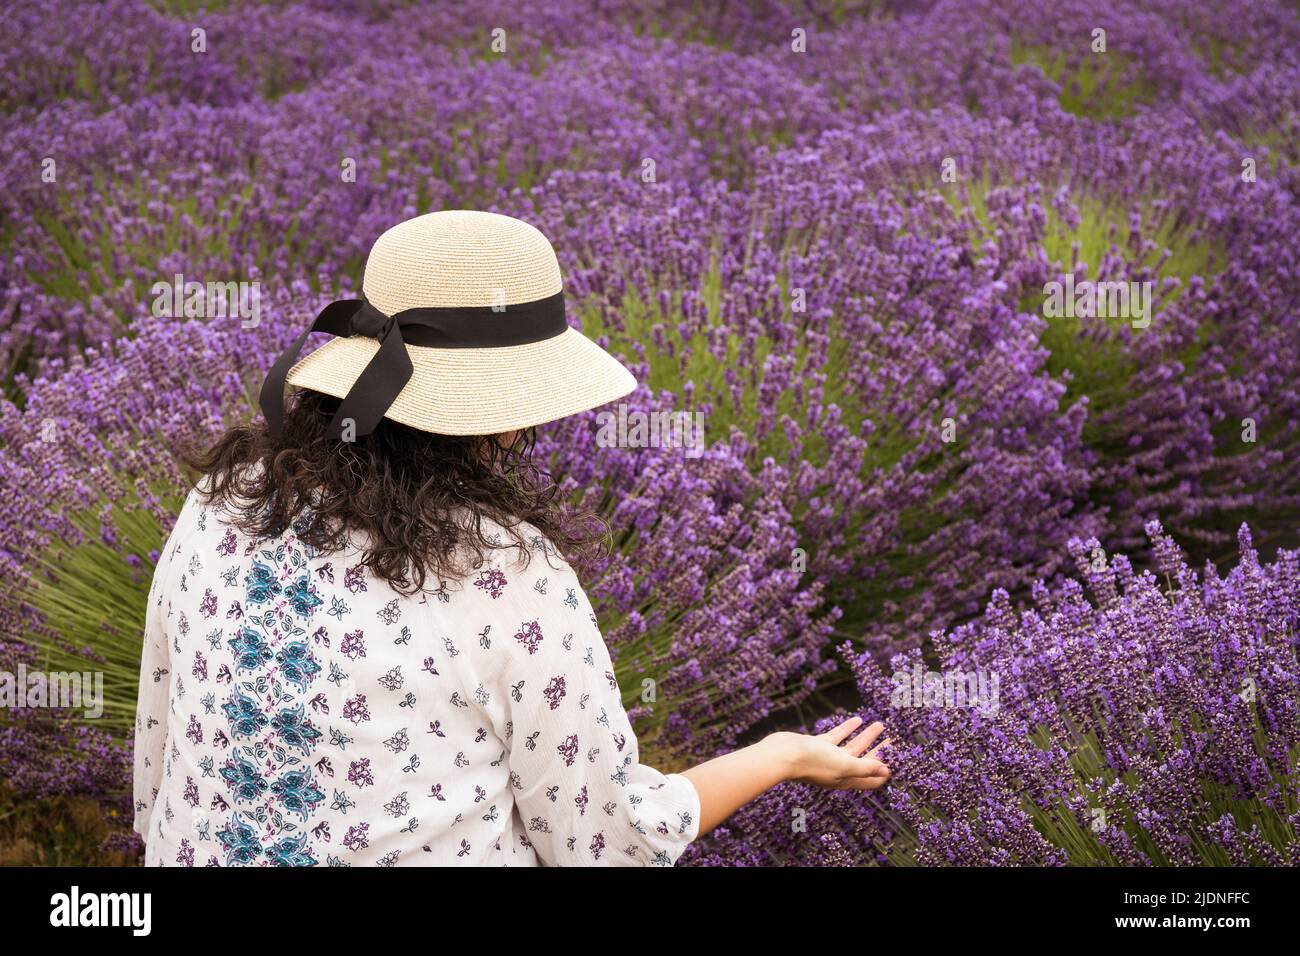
<point x="727" y="783"/>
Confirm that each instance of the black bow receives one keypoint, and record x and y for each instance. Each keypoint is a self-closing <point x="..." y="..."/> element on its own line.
<point x="387" y="373"/>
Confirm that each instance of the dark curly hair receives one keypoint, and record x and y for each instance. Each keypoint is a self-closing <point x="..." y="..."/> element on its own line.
<point x="418" y="499"/>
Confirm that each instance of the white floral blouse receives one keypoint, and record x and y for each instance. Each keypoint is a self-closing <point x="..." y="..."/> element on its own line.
<point x="295" y="710"/>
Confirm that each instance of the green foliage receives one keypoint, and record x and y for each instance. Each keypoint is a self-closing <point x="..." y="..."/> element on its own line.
<point x="1092" y="84"/>
<point x="93" y="603"/>
<point x="1060" y="827"/>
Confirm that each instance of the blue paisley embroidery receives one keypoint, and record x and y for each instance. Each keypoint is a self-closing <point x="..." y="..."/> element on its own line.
<point x="297" y="793"/>
<point x="291" y="851"/>
<point x="264" y="712"/>
<point x="239" y="840"/>
<point x="245" y="716"/>
<point x="297" y="664"/>
<point x="251" y="650"/>
<point x="243" y="779"/>
<point x="303" y="597"/>
<point x="295" y="729"/>
<point x="261" y="584"/>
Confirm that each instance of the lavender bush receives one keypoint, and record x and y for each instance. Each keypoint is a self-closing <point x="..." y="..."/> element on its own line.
<point x="1140" y="719"/>
<point x="836" y="253"/>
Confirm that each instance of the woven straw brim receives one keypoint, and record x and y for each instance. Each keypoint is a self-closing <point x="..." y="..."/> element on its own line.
<point x="480" y="391"/>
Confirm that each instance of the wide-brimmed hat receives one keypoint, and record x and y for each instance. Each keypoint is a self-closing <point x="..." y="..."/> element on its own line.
<point x="460" y="330"/>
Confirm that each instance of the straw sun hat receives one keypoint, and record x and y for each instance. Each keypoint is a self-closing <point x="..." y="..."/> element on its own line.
<point x="460" y="331"/>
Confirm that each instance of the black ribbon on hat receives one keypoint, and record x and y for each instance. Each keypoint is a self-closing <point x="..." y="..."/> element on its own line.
<point x="386" y="374"/>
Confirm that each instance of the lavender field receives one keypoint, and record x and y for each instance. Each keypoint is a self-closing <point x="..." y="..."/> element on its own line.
<point x="991" y="311"/>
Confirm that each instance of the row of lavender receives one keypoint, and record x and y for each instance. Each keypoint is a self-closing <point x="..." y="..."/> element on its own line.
<point x="1152" y="721"/>
<point x="767" y="236"/>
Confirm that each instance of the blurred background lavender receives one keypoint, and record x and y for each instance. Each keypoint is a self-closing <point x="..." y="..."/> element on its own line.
<point x="907" y="454"/>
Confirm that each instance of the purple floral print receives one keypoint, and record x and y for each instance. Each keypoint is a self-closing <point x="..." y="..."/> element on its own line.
<point x="529" y="635"/>
<point x="492" y="581"/>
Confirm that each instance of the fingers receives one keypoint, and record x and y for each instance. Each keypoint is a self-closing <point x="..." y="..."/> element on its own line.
<point x="872" y="775"/>
<point x="838" y="734"/>
<point x="859" y="744"/>
<point x="855" y="764"/>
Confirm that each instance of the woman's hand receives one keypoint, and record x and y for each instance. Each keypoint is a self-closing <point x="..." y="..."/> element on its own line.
<point x="827" y="760"/>
<point x="727" y="783"/>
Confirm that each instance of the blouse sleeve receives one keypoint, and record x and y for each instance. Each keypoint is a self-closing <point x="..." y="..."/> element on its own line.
<point x="152" y="701"/>
<point x="544" y="678"/>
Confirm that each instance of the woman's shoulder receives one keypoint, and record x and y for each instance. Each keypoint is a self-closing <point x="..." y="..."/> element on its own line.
<point x="517" y="544"/>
